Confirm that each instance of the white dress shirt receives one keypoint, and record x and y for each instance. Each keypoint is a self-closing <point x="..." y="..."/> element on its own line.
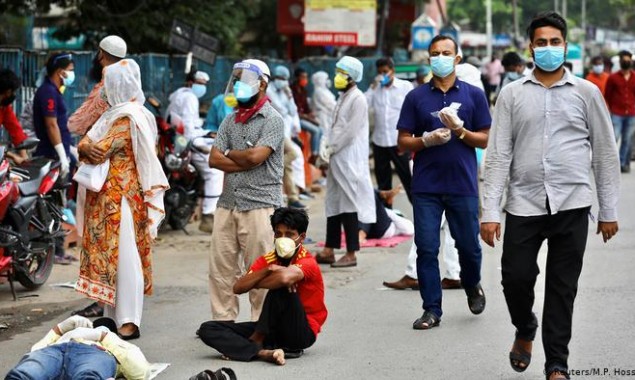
<point x="386" y="103"/>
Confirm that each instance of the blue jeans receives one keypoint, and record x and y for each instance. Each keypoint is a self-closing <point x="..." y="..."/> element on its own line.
<point x="462" y="215"/>
<point x="624" y="128"/>
<point x="316" y="134"/>
<point x="65" y="361"/>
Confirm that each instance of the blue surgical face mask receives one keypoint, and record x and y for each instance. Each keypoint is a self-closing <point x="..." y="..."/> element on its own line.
<point x="385" y="80"/>
<point x="549" y="58"/>
<point x="442" y="65"/>
<point x="199" y="90"/>
<point x="280" y="83"/>
<point x="512" y="76"/>
<point x="598" y="69"/>
<point x="69" y="79"/>
<point x="243" y="91"/>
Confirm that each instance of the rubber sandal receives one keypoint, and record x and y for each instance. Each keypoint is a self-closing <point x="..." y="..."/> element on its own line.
<point x="520" y="357"/>
<point x="91" y="311"/>
<point x="427" y="321"/>
<point x="344" y="264"/>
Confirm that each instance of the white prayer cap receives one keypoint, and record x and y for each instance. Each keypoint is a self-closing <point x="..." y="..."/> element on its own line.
<point x="201" y="75"/>
<point x="114" y="45"/>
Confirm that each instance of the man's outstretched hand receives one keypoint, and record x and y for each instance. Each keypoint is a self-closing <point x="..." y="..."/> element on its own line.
<point x="489" y="231"/>
<point x="608" y="230"/>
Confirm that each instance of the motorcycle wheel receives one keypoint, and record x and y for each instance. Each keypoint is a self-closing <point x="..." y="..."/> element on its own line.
<point x="180" y="217"/>
<point x="33" y="273"/>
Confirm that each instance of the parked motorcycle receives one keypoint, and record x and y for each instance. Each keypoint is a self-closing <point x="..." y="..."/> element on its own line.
<point x="30" y="218"/>
<point x="175" y="154"/>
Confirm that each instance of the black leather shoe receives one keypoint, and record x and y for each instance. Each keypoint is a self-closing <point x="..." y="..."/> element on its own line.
<point x="476" y="299"/>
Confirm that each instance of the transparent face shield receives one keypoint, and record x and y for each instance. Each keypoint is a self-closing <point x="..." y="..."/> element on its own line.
<point x="243" y="84"/>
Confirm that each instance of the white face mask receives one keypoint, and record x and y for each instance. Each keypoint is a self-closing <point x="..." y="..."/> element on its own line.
<point x="285" y="247"/>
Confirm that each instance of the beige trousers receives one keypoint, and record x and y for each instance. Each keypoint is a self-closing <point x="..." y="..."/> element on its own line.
<point x="238" y="239"/>
<point x="287" y="179"/>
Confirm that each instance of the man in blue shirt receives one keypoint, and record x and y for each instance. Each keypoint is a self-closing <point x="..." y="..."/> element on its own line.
<point x="49" y="111"/>
<point x="443" y="121"/>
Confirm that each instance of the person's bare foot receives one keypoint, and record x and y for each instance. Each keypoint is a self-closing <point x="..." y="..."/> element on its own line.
<point x="389" y="195"/>
<point x="362" y="237"/>
<point x="273" y="356"/>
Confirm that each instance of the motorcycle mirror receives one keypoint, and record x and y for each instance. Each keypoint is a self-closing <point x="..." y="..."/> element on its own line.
<point x="29" y="143"/>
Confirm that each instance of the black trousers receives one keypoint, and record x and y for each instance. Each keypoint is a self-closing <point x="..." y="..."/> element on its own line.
<point x="566" y="234"/>
<point x="282" y="321"/>
<point x="334" y="231"/>
<point x="383" y="172"/>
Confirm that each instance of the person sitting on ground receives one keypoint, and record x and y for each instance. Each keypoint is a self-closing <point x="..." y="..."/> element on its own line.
<point x="77" y="348"/>
<point x="293" y="312"/>
<point x="388" y="223"/>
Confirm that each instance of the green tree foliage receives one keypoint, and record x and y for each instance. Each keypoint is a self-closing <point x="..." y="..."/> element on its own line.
<point x="145" y="24"/>
<point x="601" y="13"/>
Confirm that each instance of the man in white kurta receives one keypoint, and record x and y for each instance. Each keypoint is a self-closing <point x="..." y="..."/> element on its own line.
<point x="349" y="191"/>
<point x="184" y="107"/>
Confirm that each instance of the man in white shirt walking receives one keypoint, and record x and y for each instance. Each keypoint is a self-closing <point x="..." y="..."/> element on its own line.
<point x="385" y="96"/>
<point x="550" y="131"/>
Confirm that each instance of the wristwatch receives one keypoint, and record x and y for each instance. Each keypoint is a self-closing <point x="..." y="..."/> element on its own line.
<point x="226" y="152"/>
<point x="462" y="135"/>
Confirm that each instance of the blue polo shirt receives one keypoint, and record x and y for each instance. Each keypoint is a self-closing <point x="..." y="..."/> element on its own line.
<point x="450" y="168"/>
<point x="48" y="102"/>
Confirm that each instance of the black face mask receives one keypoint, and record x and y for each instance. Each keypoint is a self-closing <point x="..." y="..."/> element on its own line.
<point x="250" y="103"/>
<point x="7" y="101"/>
<point x="96" y="69"/>
<point x="625" y="65"/>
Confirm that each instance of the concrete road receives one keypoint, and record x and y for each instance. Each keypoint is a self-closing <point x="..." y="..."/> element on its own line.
<point x="368" y="334"/>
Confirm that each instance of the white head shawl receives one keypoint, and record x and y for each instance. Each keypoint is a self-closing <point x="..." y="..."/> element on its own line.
<point x="122" y="83"/>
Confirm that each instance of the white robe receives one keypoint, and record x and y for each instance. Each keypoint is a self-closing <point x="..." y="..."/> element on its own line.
<point x="348" y="185"/>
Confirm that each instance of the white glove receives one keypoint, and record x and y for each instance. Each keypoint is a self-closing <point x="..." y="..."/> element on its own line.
<point x="325" y="153"/>
<point x="450" y="119"/>
<point x="73" y="322"/>
<point x="439" y="136"/>
<point x="65" y="164"/>
<point x="82" y="333"/>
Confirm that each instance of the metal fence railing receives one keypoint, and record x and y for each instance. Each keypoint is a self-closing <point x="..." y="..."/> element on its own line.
<point x="161" y="74"/>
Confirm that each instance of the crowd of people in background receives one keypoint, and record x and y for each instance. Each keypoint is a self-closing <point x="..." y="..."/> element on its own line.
<point x="265" y="136"/>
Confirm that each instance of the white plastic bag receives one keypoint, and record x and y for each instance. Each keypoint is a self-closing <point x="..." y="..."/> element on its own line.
<point x="92" y="177"/>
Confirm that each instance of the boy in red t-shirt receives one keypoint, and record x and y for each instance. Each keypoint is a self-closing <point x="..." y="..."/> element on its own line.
<point x="293" y="311"/>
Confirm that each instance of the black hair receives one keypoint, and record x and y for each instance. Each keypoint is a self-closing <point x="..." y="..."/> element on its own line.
<point x="568" y="65"/>
<point x="385" y="61"/>
<point x="443" y="37"/>
<point x="549" y="18"/>
<point x="8" y="80"/>
<point x="597" y="58"/>
<point x="107" y="322"/>
<point x="511" y="59"/>
<point x="298" y="71"/>
<point x="293" y="218"/>
<point x="58" y="61"/>
<point x="625" y="53"/>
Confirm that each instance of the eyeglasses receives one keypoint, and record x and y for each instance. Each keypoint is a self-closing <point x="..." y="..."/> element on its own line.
<point x="68" y="56"/>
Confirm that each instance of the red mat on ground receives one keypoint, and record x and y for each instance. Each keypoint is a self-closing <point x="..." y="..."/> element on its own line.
<point x="387" y="242"/>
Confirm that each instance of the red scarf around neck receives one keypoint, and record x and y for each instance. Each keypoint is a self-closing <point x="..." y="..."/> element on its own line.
<point x="244" y="114"/>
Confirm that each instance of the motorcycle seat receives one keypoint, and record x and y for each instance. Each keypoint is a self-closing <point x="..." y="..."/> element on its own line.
<point x="37" y="168"/>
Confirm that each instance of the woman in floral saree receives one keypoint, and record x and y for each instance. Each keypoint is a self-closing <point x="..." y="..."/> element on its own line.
<point x="121" y="219"/>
